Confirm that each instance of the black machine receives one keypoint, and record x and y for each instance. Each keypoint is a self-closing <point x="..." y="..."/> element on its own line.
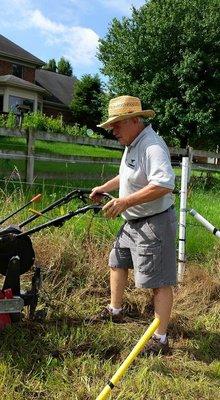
<point x="17" y="256"/>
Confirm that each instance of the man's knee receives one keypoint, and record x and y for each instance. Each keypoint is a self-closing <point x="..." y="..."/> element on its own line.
<point x="162" y="289"/>
<point x="113" y="268"/>
<point x="119" y="269"/>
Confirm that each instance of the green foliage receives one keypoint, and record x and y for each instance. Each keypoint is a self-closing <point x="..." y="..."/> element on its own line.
<point x="64" y="67"/>
<point x="51" y="65"/>
<point x="167" y="53"/>
<point x="76" y="130"/>
<point x="2" y="121"/>
<point x="11" y="120"/>
<point x="54" y="125"/>
<point x="87" y="101"/>
<point x="35" y="120"/>
<point x="41" y="122"/>
<point x="105" y="99"/>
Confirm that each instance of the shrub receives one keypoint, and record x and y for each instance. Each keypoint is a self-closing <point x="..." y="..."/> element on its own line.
<point x="55" y="125"/>
<point x="35" y="120"/>
<point x="41" y="122"/>
<point x="2" y="121"/>
<point x="11" y="120"/>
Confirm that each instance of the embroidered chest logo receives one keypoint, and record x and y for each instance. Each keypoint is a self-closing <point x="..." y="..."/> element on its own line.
<point x="131" y="163"/>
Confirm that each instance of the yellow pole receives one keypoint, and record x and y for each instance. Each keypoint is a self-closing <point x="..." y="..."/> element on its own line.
<point x="124" y="366"/>
<point x="38" y="213"/>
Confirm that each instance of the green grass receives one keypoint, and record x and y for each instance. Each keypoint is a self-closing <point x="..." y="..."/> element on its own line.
<point x="78" y="168"/>
<point x="66" y="357"/>
<point x="57" y="361"/>
<point x="200" y="243"/>
<point x="59" y="148"/>
<point x="94" y="173"/>
<point x="72" y="175"/>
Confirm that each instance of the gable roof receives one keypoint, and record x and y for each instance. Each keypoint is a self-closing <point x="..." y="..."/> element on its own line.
<point x="11" y="50"/>
<point x="61" y="86"/>
<point x="12" y="80"/>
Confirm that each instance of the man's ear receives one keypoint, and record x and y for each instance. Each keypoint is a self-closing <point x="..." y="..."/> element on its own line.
<point x="136" y="120"/>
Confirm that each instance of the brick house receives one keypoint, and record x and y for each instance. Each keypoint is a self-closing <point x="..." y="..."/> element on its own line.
<point x="25" y="86"/>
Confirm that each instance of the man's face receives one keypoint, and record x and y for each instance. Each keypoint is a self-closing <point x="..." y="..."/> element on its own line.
<point x="125" y="131"/>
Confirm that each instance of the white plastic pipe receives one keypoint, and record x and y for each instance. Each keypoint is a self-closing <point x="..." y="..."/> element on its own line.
<point x="204" y="222"/>
<point x="182" y="219"/>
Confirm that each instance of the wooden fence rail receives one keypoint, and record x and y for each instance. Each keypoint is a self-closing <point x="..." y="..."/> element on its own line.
<point x="201" y="160"/>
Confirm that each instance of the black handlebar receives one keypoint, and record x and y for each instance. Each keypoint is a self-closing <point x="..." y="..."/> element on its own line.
<point x="11" y="234"/>
<point x="76" y="193"/>
<point x="59" y="221"/>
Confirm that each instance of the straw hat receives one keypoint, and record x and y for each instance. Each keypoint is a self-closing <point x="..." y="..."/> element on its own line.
<point x="124" y="107"/>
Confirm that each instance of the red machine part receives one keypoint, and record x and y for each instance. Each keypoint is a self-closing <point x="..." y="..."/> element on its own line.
<point x="5" y="319"/>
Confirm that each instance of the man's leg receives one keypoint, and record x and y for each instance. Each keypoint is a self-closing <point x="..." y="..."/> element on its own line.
<point x="163" y="301"/>
<point x="113" y="312"/>
<point x="118" y="282"/>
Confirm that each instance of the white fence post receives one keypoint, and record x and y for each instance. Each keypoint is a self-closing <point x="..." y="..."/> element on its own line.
<point x="182" y="219"/>
<point x="30" y="157"/>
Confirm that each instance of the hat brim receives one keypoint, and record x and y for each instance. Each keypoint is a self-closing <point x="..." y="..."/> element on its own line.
<point x="144" y="114"/>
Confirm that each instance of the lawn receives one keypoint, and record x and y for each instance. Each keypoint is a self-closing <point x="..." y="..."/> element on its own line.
<point x="67" y="149"/>
<point x="66" y="357"/>
<point x="73" y="173"/>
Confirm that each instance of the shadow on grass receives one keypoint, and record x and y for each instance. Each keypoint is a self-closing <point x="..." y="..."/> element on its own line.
<point x="34" y="347"/>
<point x="25" y="346"/>
<point x="205" y="345"/>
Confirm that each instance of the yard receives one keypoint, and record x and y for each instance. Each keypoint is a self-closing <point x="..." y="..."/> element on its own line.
<point x="66" y="357"/>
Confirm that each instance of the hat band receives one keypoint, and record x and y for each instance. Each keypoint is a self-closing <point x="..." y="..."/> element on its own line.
<point x="118" y="115"/>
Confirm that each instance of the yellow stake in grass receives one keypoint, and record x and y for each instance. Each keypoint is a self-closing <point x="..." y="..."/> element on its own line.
<point x="124" y="366"/>
<point x="38" y="213"/>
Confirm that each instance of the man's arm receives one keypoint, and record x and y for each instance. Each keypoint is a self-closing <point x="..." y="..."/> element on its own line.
<point x="109" y="186"/>
<point x="149" y="193"/>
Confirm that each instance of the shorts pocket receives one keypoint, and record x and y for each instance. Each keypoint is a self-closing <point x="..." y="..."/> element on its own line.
<point x="149" y="259"/>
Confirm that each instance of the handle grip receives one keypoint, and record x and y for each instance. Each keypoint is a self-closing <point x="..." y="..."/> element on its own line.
<point x="36" y="198"/>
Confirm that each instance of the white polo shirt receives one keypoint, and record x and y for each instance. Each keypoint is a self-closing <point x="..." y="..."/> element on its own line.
<point x="146" y="160"/>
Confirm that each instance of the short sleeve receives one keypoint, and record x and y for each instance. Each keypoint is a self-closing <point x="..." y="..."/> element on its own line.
<point x="158" y="167"/>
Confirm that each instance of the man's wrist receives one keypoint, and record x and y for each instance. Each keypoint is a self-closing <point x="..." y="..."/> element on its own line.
<point x="128" y="201"/>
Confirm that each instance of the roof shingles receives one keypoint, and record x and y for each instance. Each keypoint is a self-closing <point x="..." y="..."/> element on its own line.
<point x="61" y="86"/>
<point x="13" y="51"/>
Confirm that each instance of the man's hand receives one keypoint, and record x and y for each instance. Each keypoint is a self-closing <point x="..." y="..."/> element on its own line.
<point x="96" y="194"/>
<point x="114" y="207"/>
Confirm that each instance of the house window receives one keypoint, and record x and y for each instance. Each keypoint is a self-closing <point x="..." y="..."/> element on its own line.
<point x="1" y="102"/>
<point x="18" y="104"/>
<point x="17" y="70"/>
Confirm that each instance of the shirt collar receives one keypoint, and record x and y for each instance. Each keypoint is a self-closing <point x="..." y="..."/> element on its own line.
<point x="141" y="134"/>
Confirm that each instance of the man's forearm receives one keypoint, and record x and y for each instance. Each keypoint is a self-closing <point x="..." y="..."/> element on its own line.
<point x="148" y="193"/>
<point x="111" y="185"/>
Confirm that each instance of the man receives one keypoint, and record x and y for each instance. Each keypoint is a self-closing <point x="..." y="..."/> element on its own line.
<point x="146" y="241"/>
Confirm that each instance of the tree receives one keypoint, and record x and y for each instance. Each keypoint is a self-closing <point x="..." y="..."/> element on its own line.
<point x="51" y="65"/>
<point x="167" y="53"/>
<point x="64" y="67"/>
<point x="87" y="101"/>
